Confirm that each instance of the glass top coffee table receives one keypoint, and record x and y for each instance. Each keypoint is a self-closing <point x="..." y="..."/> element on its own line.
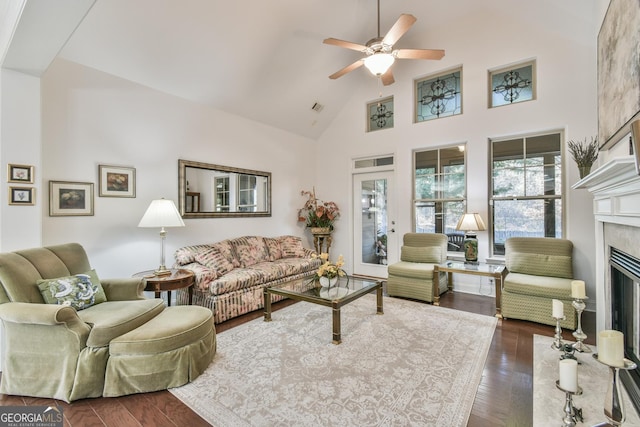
<point x="335" y="296"/>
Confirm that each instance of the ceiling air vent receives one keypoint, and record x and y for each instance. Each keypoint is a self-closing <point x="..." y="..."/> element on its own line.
<point x="317" y="107"/>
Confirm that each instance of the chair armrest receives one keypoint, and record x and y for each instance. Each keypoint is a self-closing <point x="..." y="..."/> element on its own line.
<point x="125" y="289"/>
<point x="45" y="316"/>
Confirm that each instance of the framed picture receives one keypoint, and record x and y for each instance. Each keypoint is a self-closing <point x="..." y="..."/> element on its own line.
<point x="20" y="173"/>
<point x="380" y="114"/>
<point x="21" y="196"/>
<point x="618" y="70"/>
<point x="512" y="84"/>
<point x="70" y="198"/>
<point x="117" y="181"/>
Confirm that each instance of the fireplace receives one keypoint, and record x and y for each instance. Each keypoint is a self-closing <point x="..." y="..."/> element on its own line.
<point x="625" y="314"/>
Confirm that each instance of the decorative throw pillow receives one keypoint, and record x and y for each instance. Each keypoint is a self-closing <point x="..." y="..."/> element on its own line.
<point x="273" y="245"/>
<point x="541" y="265"/>
<point x="291" y="247"/>
<point x="428" y="254"/>
<point x="226" y="249"/>
<point x="214" y="260"/>
<point x="250" y="250"/>
<point x="80" y="291"/>
<point x="187" y="254"/>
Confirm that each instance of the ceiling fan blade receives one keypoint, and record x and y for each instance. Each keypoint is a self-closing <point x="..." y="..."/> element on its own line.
<point x="419" y="53"/>
<point x="387" y="78"/>
<point x="402" y="25"/>
<point x="345" y="44"/>
<point x="347" y="69"/>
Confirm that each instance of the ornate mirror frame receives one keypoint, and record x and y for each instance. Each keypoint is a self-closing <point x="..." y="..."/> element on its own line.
<point x="213" y="191"/>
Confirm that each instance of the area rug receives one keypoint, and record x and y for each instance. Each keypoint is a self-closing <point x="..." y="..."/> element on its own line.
<point x="415" y="365"/>
<point x="593" y="378"/>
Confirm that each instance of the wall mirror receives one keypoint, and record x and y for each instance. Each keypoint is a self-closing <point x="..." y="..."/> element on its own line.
<point x="210" y="191"/>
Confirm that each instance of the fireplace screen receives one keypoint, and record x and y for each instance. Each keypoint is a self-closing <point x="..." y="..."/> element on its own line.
<point x="625" y="314"/>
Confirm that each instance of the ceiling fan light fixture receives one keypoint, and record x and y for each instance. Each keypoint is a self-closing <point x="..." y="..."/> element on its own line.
<point x="379" y="63"/>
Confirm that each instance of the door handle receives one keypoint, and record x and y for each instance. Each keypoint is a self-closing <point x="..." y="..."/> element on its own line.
<point x="393" y="230"/>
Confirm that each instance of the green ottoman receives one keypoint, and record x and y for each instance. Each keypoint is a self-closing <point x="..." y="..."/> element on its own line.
<point x="170" y="350"/>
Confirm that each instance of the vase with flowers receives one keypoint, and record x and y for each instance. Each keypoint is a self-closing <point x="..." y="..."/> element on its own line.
<point x="329" y="272"/>
<point x="584" y="153"/>
<point x="316" y="214"/>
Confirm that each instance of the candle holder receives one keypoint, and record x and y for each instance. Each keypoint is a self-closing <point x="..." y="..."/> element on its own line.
<point x="558" y="343"/>
<point x="578" y="334"/>
<point x="572" y="415"/>
<point x="613" y="404"/>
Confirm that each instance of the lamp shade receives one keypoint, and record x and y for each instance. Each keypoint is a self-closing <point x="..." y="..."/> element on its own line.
<point x="379" y="63"/>
<point x="471" y="222"/>
<point x="161" y="213"/>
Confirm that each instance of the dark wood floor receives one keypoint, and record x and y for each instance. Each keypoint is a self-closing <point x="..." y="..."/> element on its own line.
<point x="504" y="397"/>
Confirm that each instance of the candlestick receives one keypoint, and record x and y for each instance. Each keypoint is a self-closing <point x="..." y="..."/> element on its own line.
<point x="568" y="369"/>
<point x="558" y="344"/>
<point x="558" y="308"/>
<point x="579" y="335"/>
<point x="611" y="348"/>
<point x="572" y="414"/>
<point x="578" y="289"/>
<point x="613" y="403"/>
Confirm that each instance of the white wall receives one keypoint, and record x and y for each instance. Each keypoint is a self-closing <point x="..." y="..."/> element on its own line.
<point x="564" y="47"/>
<point x="91" y="118"/>
<point x="20" y="225"/>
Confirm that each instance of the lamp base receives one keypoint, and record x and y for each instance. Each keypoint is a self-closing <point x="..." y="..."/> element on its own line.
<point x="162" y="271"/>
<point x="470" y="245"/>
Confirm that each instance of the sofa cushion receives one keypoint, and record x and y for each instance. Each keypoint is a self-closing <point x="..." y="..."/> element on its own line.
<point x="213" y="259"/>
<point x="541" y="265"/>
<point x="187" y="254"/>
<point x="291" y="247"/>
<point x="114" y="318"/>
<point x="428" y="254"/>
<point x="238" y="278"/>
<point x="293" y="266"/>
<point x="412" y="269"/>
<point x="80" y="291"/>
<point x="542" y="286"/>
<point x="250" y="250"/>
<point x="226" y="249"/>
<point x="273" y="246"/>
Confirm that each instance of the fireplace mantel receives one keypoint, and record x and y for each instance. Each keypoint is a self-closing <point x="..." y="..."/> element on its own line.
<point x="616" y="191"/>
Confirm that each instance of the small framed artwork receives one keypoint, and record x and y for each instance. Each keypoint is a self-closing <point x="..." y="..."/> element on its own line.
<point x="117" y="181"/>
<point x="20" y="173"/>
<point x="380" y="114"/>
<point x="512" y="84"/>
<point x="70" y="198"/>
<point x="21" y="196"/>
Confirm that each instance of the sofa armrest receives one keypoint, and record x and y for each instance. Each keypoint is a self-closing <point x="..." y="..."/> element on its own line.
<point x="125" y="289"/>
<point x="308" y="252"/>
<point x="44" y="316"/>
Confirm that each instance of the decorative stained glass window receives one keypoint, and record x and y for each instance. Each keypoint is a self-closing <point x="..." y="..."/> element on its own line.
<point x="439" y="96"/>
<point x="380" y="114"/>
<point x="512" y="85"/>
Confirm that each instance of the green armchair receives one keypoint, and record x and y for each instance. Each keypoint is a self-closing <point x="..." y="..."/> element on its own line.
<point x="412" y="277"/>
<point x="63" y="352"/>
<point x="540" y="270"/>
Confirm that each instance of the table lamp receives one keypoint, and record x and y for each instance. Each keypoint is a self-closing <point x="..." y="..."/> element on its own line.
<point x="470" y="223"/>
<point x="162" y="213"/>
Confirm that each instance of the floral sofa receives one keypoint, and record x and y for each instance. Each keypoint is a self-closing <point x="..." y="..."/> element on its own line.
<point x="231" y="274"/>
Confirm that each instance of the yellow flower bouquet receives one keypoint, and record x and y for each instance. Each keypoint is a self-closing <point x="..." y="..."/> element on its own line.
<point x="329" y="272"/>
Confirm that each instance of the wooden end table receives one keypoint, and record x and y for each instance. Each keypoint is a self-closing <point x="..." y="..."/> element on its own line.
<point x="178" y="279"/>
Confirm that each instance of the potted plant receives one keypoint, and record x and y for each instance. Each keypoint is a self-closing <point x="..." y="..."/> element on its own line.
<point x="584" y="153"/>
<point x="318" y="215"/>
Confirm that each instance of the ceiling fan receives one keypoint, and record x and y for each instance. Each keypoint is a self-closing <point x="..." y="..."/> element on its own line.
<point x="379" y="51"/>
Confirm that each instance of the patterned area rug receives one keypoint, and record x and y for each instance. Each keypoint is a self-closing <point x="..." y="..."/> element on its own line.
<point x="415" y="365"/>
<point x="593" y="378"/>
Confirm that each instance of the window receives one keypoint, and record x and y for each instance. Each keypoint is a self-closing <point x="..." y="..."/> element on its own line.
<point x="222" y="193"/>
<point x="439" y="192"/>
<point x="439" y="96"/>
<point x="247" y="193"/>
<point x="526" y="195"/>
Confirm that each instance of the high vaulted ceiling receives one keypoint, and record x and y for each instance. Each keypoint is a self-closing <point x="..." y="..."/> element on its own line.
<point x="263" y="59"/>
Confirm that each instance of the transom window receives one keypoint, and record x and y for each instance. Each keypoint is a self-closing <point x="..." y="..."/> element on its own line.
<point x="439" y="191"/>
<point x="526" y="195"/>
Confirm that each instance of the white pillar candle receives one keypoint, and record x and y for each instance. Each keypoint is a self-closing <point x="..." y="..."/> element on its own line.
<point x="558" y="309"/>
<point x="569" y="375"/>
<point x="611" y="347"/>
<point x="577" y="289"/>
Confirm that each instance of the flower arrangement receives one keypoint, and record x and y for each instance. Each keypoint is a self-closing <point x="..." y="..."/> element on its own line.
<point x="329" y="269"/>
<point x="316" y="213"/>
<point x="585" y="154"/>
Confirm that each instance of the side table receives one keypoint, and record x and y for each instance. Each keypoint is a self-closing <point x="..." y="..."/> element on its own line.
<point x="178" y="279"/>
